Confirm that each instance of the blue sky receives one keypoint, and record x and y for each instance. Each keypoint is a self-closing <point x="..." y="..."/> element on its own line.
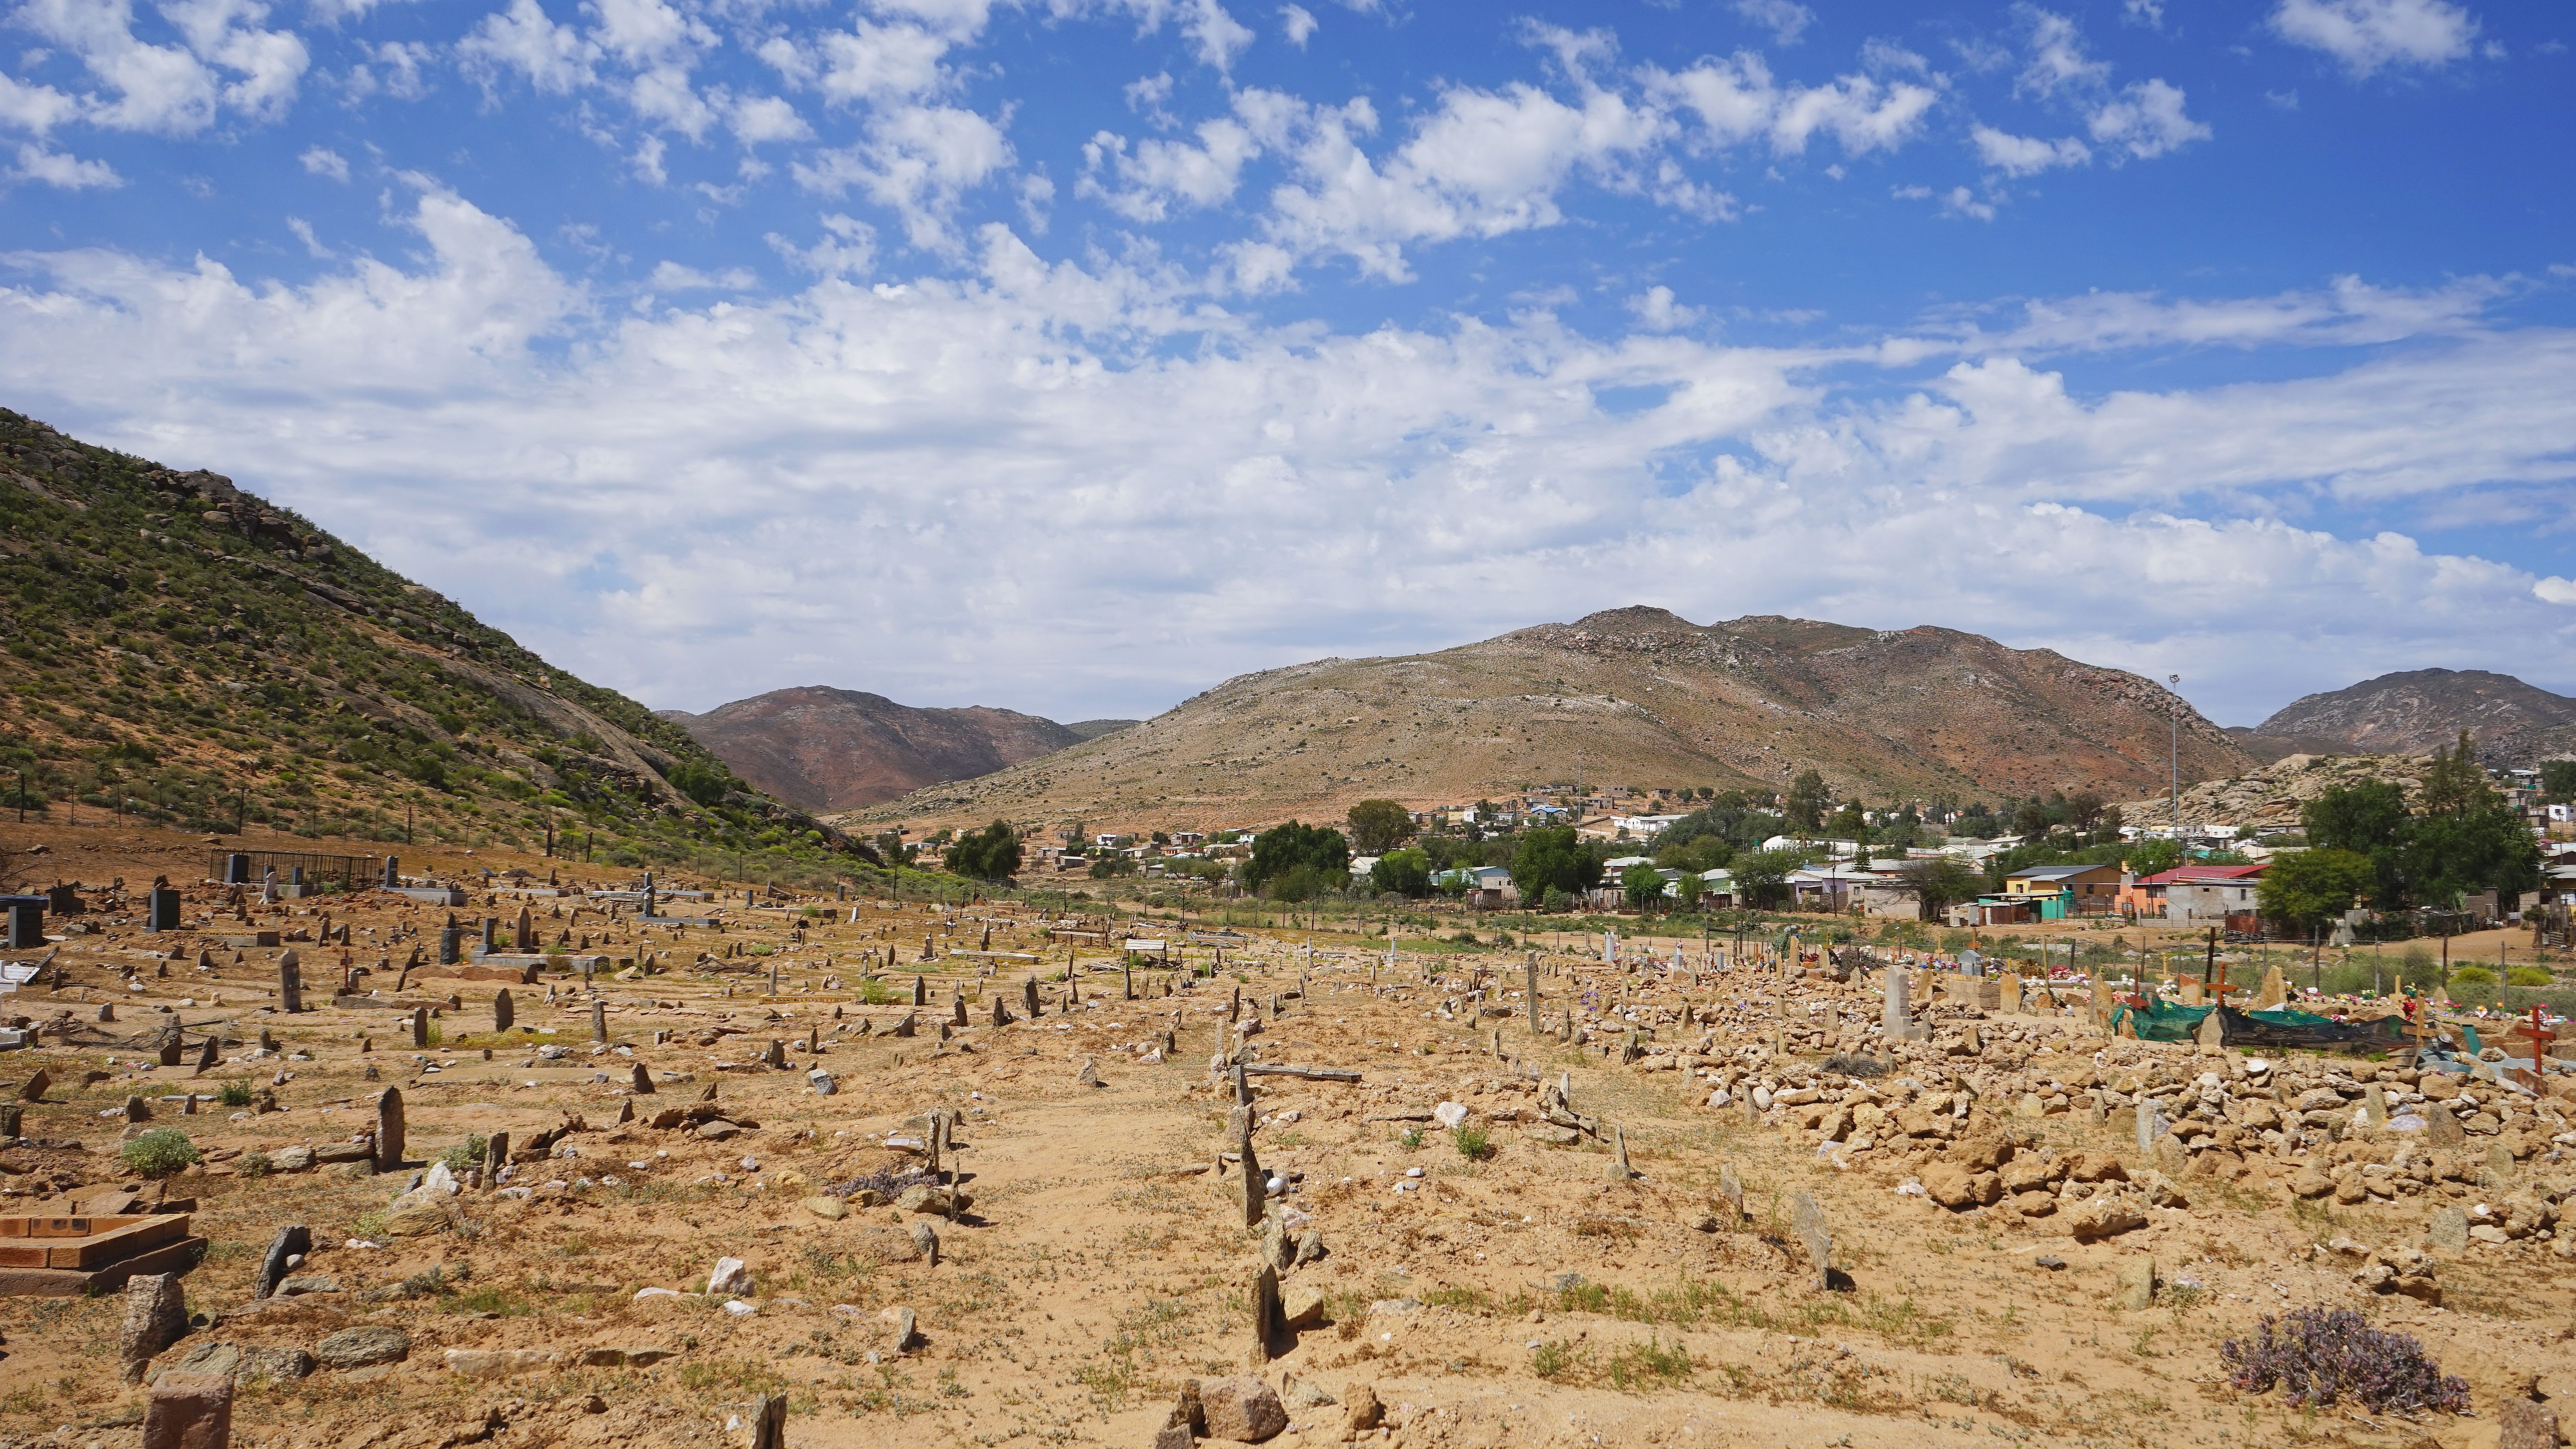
<point x="1073" y="356"/>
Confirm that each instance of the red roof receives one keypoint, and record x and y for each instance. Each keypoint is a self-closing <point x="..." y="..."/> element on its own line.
<point x="2205" y="874"/>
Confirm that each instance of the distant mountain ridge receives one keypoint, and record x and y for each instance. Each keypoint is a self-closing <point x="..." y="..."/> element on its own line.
<point x="2417" y="711"/>
<point x="845" y="749"/>
<point x="1635" y="696"/>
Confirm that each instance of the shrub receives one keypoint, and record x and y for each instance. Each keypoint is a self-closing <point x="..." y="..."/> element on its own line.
<point x="2529" y="976"/>
<point x="465" y="1154"/>
<point x="235" y="1093"/>
<point x="252" y="1164"/>
<point x="1474" y="1143"/>
<point x="2320" y="1357"/>
<point x="160" y="1152"/>
<point x="2473" y="976"/>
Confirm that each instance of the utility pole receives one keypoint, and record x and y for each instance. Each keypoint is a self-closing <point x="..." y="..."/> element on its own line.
<point x="2180" y="852"/>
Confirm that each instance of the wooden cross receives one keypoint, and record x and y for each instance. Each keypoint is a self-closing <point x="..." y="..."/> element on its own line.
<point x="2539" y="1035"/>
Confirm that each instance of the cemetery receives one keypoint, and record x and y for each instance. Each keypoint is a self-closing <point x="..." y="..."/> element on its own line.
<point x="616" y="1158"/>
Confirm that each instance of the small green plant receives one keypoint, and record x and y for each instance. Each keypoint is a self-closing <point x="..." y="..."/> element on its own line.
<point x="1474" y="1143"/>
<point x="1556" y="1359"/>
<point x="252" y="1165"/>
<point x="234" y="1093"/>
<point x="1649" y="1365"/>
<point x="465" y="1154"/>
<point x="160" y="1152"/>
<point x="1412" y="1137"/>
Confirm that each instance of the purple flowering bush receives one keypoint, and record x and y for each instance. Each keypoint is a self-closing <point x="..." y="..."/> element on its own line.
<point x="2322" y="1357"/>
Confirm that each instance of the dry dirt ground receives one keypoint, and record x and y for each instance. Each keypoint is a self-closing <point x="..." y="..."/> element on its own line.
<point x="1524" y="1294"/>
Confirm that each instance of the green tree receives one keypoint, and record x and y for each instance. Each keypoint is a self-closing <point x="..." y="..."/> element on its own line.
<point x="1284" y="848"/>
<point x="992" y="853"/>
<point x="1694" y="855"/>
<point x="1762" y="877"/>
<point x="2558" y="780"/>
<point x="1806" y="802"/>
<point x="1378" y="826"/>
<point x="1553" y="860"/>
<point x="2151" y="857"/>
<point x="1405" y="872"/>
<point x="2306" y="889"/>
<point x="1938" y="883"/>
<point x="1643" y="885"/>
<point x="2467" y="837"/>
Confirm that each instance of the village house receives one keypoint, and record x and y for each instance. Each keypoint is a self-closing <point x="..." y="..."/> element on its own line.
<point x="2211" y="893"/>
<point x="2056" y="892"/>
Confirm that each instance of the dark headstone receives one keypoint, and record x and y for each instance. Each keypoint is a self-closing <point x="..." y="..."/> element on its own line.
<point x="161" y="910"/>
<point x="389" y="1130"/>
<point x="504" y="1011"/>
<point x="292" y="1241"/>
<point x="290" y="983"/>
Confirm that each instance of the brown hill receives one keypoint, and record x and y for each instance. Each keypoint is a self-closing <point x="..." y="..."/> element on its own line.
<point x="840" y="749"/>
<point x="1643" y="697"/>
<point x="2421" y="710"/>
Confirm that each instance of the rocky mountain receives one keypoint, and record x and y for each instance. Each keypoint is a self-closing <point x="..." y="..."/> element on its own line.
<point x="190" y="653"/>
<point x="2270" y="797"/>
<point x="1634" y="696"/>
<point x="840" y="749"/>
<point x="1092" y="729"/>
<point x="2421" y="710"/>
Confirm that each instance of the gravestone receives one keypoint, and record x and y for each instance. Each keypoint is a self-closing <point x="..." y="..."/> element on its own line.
<point x="1529" y="973"/>
<point x="451" y="943"/>
<point x="1809" y="1220"/>
<point x="189" y="1411"/>
<point x="1731" y="1189"/>
<point x="2275" y="992"/>
<point x="496" y="1155"/>
<point x="26" y="923"/>
<point x="920" y="989"/>
<point x="1029" y="998"/>
<point x="2449" y="1231"/>
<point x="643" y="1083"/>
<point x="504" y="1011"/>
<point x="161" y="910"/>
<point x="769" y="1421"/>
<point x="156" y="1313"/>
<point x="419" y="1028"/>
<point x="389" y="1130"/>
<point x="957" y="1007"/>
<point x="290" y="983"/>
<point x="293" y="1241"/>
<point x="1620" y="1171"/>
<point x="1256" y="1187"/>
<point x="1895" y="1018"/>
<point x="211" y="1054"/>
<point x="491" y="934"/>
<point x="526" y="935"/>
<point x="1269" y="1315"/>
<point x="598" y="1020"/>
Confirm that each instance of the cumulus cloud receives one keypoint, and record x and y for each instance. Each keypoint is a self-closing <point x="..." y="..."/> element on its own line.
<point x="2027" y="155"/>
<point x="917" y="162"/>
<point x="1736" y="101"/>
<point x="1298" y="24"/>
<point x="2372" y="35"/>
<point x="323" y="161"/>
<point x="226" y="62"/>
<point x="62" y="171"/>
<point x="754" y="476"/>
<point x="2146" y="120"/>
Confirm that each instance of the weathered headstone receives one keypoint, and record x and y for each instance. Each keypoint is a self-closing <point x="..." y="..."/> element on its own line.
<point x="1029" y="998"/>
<point x="1620" y="1171"/>
<point x="1809" y="1220"/>
<point x="419" y="1028"/>
<point x="189" y="1411"/>
<point x="451" y="944"/>
<point x="1730" y="1188"/>
<point x="1896" y="1019"/>
<point x="642" y="1084"/>
<point x="389" y="1130"/>
<point x="769" y="1422"/>
<point x="598" y="1020"/>
<point x="2151" y="1124"/>
<point x="1269" y="1315"/>
<point x="2275" y="992"/>
<point x="2442" y="1126"/>
<point x="504" y="1010"/>
<point x="2449" y="1230"/>
<point x="161" y="910"/>
<point x="290" y="983"/>
<point x="211" y="1054"/>
<point x="496" y="1155"/>
<point x="2134" y="1287"/>
<point x="156" y="1313"/>
<point x="920" y="989"/>
<point x="527" y="932"/>
<point x="1256" y="1187"/>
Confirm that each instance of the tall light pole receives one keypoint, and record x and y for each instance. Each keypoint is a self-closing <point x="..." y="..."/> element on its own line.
<point x="2179" y="852"/>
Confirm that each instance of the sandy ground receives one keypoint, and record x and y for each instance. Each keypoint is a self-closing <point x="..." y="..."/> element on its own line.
<point x="1104" y="1259"/>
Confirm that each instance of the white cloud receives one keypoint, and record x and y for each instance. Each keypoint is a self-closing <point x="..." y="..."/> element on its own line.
<point x="2027" y="155"/>
<point x="1960" y="201"/>
<point x="1298" y="24"/>
<point x="304" y="233"/>
<point x="553" y="58"/>
<point x="674" y="277"/>
<point x="34" y="108"/>
<point x="2349" y="313"/>
<point x="2372" y="35"/>
<point x="2146" y="121"/>
<point x="847" y="249"/>
<point x="916" y="161"/>
<point x="2057" y="58"/>
<point x="1218" y="36"/>
<point x="1656" y="311"/>
<point x="756" y="120"/>
<point x="1785" y="19"/>
<point x="323" y="161"/>
<point x="46" y="166"/>
<point x="758" y="474"/>
<point x="227" y="63"/>
<point x="1155" y="175"/>
<point x="1737" y="101"/>
<point x="2149" y="13"/>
